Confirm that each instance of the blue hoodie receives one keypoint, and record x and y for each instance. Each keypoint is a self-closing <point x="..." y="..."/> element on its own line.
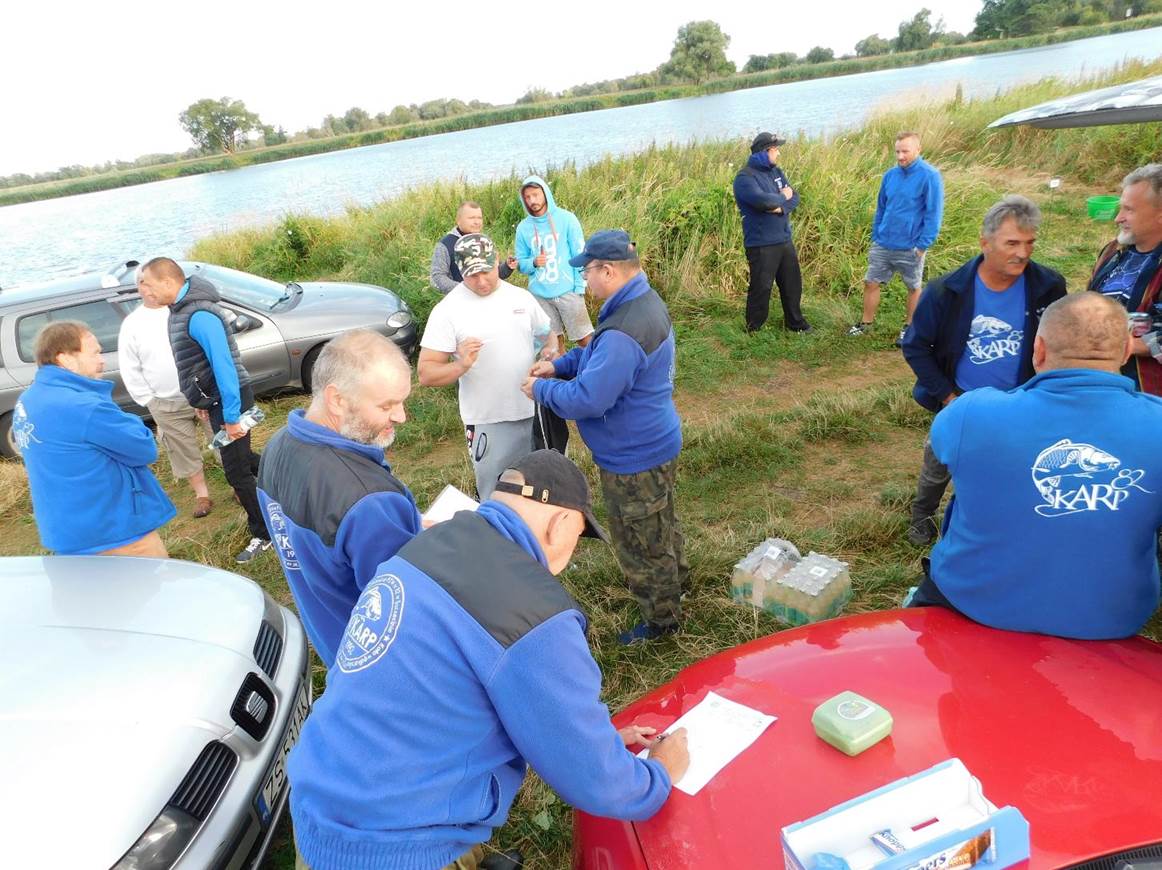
<point x="334" y="511"/>
<point x="910" y="207"/>
<point x="1058" y="502"/>
<point x="620" y="387"/>
<point x="88" y="465"/>
<point x="758" y="189"/>
<point x="464" y="660"/>
<point x="558" y="233"/>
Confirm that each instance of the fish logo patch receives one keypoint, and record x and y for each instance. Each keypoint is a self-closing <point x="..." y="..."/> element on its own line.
<point x="991" y="339"/>
<point x="281" y="536"/>
<point x="374" y="624"/>
<point x="1072" y="477"/>
<point x="22" y="428"/>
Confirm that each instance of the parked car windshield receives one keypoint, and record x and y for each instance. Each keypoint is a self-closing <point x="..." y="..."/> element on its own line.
<point x="247" y="289"/>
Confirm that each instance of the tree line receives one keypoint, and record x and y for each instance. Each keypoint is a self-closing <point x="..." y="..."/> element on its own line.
<point x="698" y="55"/>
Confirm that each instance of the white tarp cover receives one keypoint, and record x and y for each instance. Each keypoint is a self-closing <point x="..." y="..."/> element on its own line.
<point x="1122" y="104"/>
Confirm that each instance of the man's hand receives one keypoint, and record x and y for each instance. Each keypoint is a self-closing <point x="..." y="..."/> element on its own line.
<point x="527" y="387"/>
<point x="919" y="253"/>
<point x="671" y="750"/>
<point x="787" y="192"/>
<point x="542" y="369"/>
<point x="949" y="399"/>
<point x="234" y="430"/>
<point x="202" y="414"/>
<point x="637" y="735"/>
<point x="510" y="261"/>
<point x="541" y="259"/>
<point x="1138" y="347"/>
<point x="467" y="351"/>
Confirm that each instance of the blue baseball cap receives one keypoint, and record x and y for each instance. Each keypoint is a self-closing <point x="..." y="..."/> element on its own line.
<point x="605" y="245"/>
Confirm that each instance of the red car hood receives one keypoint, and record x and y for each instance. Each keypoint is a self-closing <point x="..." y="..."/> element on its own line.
<point x="1066" y="731"/>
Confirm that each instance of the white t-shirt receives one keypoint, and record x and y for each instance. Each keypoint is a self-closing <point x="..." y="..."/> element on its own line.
<point x="145" y="357"/>
<point x="509" y="323"/>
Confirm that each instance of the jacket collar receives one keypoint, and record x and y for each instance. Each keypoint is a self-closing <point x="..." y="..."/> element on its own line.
<point x="1061" y="380"/>
<point x="56" y="376"/>
<point x="1037" y="278"/>
<point x="634" y="287"/>
<point x="312" y="433"/>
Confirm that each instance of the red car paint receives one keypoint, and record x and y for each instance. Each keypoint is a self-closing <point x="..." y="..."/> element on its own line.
<point x="1066" y="731"/>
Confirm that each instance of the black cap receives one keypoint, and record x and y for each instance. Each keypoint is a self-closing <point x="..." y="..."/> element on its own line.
<point x="550" y="478"/>
<point x="605" y="245"/>
<point x="765" y="140"/>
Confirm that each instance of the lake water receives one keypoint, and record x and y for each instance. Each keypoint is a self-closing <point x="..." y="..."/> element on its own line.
<point x="59" y="237"/>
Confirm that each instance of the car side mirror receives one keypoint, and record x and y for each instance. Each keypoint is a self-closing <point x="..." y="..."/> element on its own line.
<point x="243" y="323"/>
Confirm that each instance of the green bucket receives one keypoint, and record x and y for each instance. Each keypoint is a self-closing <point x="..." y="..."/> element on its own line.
<point x="1102" y="208"/>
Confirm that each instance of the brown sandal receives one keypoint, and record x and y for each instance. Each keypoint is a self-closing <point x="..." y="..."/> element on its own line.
<point x="202" y="506"/>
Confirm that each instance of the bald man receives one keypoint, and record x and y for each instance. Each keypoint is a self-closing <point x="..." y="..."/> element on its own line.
<point x="1058" y="488"/>
<point x="333" y="506"/>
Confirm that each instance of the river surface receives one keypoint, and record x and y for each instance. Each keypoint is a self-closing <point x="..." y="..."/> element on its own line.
<point x="57" y="237"/>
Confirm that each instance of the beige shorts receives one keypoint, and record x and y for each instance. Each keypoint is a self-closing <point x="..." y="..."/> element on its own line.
<point x="568" y="315"/>
<point x="177" y="429"/>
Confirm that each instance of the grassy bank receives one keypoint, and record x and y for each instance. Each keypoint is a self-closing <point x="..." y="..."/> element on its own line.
<point x="513" y="113"/>
<point x="812" y="438"/>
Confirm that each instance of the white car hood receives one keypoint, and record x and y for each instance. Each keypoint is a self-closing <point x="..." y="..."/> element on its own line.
<point x="117" y="673"/>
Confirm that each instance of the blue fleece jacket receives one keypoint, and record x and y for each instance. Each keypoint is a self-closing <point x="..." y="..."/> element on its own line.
<point x="558" y="233"/>
<point x="758" y="191"/>
<point x="942" y="324"/>
<point x="450" y="679"/>
<point x="1054" y="524"/>
<point x="334" y="511"/>
<point x="909" y="208"/>
<point x="88" y="465"/>
<point x="620" y="387"/>
<point x="208" y="331"/>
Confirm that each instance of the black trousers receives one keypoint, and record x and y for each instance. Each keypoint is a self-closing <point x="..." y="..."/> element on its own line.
<point x="549" y="430"/>
<point x="778" y="264"/>
<point x="240" y="464"/>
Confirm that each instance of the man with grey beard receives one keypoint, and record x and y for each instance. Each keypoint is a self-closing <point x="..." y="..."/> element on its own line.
<point x="1129" y="271"/>
<point x="332" y="505"/>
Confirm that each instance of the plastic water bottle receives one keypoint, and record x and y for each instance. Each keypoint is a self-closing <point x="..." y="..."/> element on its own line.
<point x="250" y="418"/>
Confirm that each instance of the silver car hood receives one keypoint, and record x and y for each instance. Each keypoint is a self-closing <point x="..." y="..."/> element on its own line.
<point x="116" y="674"/>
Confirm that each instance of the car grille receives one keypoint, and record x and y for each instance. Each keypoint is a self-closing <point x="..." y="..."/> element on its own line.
<point x="268" y="649"/>
<point x="207" y="778"/>
<point x="1110" y="862"/>
<point x="253" y="706"/>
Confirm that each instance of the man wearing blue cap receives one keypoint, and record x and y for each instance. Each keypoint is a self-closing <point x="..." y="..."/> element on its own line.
<point x="620" y="390"/>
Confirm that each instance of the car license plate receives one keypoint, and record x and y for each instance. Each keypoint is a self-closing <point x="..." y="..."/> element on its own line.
<point x="276" y="778"/>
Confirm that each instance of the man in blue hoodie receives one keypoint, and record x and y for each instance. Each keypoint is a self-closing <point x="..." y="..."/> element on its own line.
<point x="620" y="390"/>
<point x="87" y="460"/>
<point x="464" y="662"/>
<point x="766" y="199"/>
<point x="909" y="209"/>
<point x="333" y="506"/>
<point x="973" y="328"/>
<point x="1058" y="488"/>
<point x="545" y="242"/>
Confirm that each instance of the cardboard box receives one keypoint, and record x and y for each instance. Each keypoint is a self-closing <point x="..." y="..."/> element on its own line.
<point x="939" y="818"/>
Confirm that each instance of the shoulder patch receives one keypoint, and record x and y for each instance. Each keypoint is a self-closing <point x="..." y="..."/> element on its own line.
<point x="374" y="624"/>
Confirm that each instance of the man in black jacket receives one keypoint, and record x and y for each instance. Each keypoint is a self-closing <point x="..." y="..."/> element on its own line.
<point x="443" y="274"/>
<point x="974" y="327"/>
<point x="212" y="378"/>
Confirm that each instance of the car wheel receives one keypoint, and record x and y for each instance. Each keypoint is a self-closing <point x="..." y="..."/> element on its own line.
<point x="7" y="439"/>
<point x="309" y="366"/>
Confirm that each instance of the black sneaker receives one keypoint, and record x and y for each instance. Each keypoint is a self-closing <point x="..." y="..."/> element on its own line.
<point x="254" y="548"/>
<point x="900" y="337"/>
<point x="857" y="329"/>
<point x="922" y="533"/>
<point x="804" y="329"/>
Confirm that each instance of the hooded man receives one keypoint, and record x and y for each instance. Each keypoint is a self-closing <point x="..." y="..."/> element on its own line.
<point x="765" y="200"/>
<point x="545" y="242"/>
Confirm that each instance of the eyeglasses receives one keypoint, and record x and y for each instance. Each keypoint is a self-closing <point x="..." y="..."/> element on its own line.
<point x="591" y="267"/>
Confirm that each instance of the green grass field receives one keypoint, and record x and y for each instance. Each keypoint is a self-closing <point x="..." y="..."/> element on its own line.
<point x="812" y="438"/>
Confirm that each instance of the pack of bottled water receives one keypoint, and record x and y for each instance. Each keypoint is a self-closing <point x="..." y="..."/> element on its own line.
<point x="792" y="588"/>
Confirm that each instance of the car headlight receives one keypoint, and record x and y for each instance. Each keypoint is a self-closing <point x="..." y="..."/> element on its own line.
<point x="399" y="320"/>
<point x="162" y="843"/>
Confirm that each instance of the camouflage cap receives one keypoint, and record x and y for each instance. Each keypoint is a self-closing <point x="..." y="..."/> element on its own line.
<point x="475" y="252"/>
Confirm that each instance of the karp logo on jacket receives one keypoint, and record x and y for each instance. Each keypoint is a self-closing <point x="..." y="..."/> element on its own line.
<point x="374" y="624"/>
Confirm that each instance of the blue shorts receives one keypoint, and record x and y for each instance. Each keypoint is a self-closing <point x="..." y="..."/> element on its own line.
<point x="883" y="263"/>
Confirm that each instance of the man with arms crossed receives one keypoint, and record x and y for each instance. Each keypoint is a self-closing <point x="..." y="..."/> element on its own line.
<point x="443" y="274"/>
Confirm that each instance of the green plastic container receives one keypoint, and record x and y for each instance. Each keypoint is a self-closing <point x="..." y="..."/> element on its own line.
<point x="851" y="723"/>
<point x="1102" y="208"/>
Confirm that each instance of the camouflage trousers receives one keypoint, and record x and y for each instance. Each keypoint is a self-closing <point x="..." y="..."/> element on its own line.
<point x="650" y="548"/>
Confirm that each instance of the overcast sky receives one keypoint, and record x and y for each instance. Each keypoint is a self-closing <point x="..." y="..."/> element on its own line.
<point x="85" y="83"/>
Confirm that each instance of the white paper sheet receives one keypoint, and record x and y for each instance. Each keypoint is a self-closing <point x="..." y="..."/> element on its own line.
<point x="717" y="731"/>
<point x="449" y="501"/>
